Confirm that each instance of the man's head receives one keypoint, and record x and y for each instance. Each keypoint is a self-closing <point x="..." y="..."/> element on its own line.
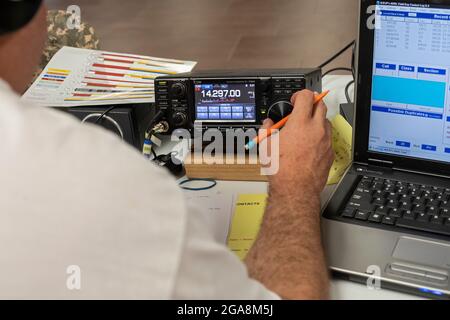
<point x="23" y="32"/>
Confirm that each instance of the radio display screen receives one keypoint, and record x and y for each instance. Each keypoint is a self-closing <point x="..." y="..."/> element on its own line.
<point x="230" y="101"/>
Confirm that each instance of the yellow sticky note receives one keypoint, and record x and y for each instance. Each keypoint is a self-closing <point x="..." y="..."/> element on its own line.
<point x="342" y="146"/>
<point x="246" y="223"/>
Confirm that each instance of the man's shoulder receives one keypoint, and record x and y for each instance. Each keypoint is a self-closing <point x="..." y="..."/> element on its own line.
<point x="90" y="200"/>
<point x="55" y="139"/>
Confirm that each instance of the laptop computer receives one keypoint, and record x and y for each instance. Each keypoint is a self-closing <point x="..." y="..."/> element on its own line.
<point x="388" y="222"/>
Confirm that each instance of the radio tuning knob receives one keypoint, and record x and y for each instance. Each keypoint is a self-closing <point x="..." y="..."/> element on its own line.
<point x="178" y="90"/>
<point x="179" y="119"/>
<point x="280" y="110"/>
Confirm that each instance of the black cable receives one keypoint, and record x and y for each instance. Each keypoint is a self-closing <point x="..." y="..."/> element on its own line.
<point x="169" y="162"/>
<point x="337" y="69"/>
<point x="354" y="61"/>
<point x="154" y="153"/>
<point x="149" y="133"/>
<point x="104" y="114"/>
<point x="347" y="88"/>
<point x="327" y="62"/>
<point x="158" y="116"/>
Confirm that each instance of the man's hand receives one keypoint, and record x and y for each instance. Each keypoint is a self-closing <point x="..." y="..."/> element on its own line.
<point x="306" y="153"/>
<point x="288" y="255"/>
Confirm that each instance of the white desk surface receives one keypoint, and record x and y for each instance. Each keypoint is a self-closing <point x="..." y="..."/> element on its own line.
<point x="340" y="290"/>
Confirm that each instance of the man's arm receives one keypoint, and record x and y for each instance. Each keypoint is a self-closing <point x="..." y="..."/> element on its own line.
<point x="288" y="255"/>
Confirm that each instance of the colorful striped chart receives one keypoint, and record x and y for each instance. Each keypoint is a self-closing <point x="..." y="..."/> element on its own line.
<point x="80" y="77"/>
<point x="53" y="78"/>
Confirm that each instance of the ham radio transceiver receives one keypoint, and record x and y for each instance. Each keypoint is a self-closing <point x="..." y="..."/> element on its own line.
<point x="226" y="100"/>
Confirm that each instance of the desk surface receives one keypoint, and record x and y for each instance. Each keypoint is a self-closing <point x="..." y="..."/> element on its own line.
<point x="340" y="290"/>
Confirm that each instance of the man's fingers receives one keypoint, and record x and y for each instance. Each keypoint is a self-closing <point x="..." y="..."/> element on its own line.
<point x="266" y="144"/>
<point x="294" y="97"/>
<point x="267" y="124"/>
<point x="303" y="102"/>
<point x="321" y="111"/>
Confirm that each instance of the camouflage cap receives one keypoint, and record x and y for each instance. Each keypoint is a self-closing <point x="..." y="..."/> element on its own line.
<point x="60" y="35"/>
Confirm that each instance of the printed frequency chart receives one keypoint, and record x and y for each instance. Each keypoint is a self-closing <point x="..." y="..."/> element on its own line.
<point x="80" y="77"/>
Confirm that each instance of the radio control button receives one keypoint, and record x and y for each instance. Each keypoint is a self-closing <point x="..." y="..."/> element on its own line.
<point x="265" y="86"/>
<point x="280" y="110"/>
<point x="179" y="119"/>
<point x="178" y="90"/>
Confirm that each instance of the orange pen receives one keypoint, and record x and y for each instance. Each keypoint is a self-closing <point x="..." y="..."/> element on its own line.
<point x="267" y="133"/>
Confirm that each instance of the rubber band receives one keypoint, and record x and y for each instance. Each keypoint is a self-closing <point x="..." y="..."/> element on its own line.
<point x="213" y="184"/>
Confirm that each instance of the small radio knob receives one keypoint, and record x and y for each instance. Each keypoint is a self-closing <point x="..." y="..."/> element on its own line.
<point x="179" y="90"/>
<point x="280" y="110"/>
<point x="179" y="119"/>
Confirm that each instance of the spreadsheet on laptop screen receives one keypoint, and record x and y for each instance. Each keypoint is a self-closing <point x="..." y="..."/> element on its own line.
<point x="410" y="107"/>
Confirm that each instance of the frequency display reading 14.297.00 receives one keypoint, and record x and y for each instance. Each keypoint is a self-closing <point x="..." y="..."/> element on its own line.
<point x="225" y="102"/>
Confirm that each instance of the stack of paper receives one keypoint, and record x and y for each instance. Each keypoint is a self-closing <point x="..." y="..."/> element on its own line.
<point x="247" y="222"/>
<point x="81" y="77"/>
<point x="216" y="210"/>
<point x="342" y="146"/>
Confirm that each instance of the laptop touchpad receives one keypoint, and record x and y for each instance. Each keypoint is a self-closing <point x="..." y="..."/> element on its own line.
<point x="423" y="252"/>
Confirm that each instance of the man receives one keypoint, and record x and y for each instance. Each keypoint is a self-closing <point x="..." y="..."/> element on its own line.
<point x="83" y="216"/>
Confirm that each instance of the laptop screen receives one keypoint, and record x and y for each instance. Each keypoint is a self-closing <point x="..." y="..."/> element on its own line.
<point x="410" y="107"/>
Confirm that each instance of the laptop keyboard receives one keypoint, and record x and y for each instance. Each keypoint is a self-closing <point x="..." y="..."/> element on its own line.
<point x="400" y="204"/>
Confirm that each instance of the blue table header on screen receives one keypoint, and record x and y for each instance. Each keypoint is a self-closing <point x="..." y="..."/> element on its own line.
<point x="432" y="71"/>
<point x="386" y="66"/>
<point x="407" y="68"/>
<point x="415" y="15"/>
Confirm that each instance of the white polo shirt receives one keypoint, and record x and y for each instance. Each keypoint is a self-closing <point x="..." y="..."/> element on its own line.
<point x="84" y="216"/>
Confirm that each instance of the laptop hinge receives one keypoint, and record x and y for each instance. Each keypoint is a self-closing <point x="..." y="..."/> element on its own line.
<point x="381" y="164"/>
